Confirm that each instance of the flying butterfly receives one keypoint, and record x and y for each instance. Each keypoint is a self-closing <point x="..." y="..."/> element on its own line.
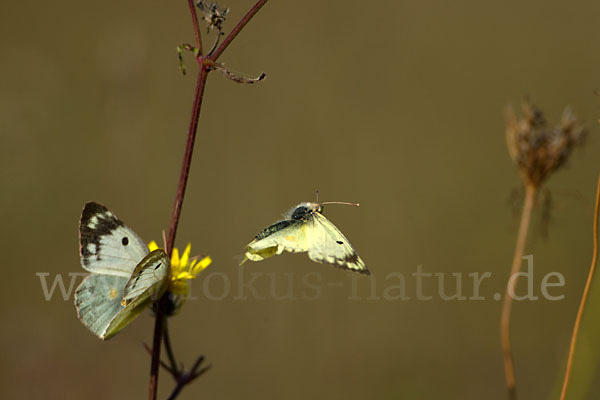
<point x="305" y="229"/>
<point x="125" y="275"/>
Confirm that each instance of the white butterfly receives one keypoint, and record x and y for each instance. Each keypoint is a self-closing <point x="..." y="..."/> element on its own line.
<point x="125" y="276"/>
<point x="304" y="228"/>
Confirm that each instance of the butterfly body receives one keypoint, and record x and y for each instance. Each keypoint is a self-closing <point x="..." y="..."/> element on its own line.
<point x="125" y="275"/>
<point x="305" y="229"/>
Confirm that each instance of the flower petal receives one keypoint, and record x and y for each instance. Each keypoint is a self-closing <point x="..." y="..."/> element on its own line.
<point x="152" y="246"/>
<point x="186" y="255"/>
<point x="201" y="265"/>
<point x="175" y="258"/>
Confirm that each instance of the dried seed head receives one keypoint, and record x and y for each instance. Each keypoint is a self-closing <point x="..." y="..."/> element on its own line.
<point x="537" y="149"/>
<point x="214" y="16"/>
<point x="235" y="76"/>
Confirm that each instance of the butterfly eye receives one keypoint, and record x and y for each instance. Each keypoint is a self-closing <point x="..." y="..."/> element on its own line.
<point x="125" y="241"/>
<point x="300" y="212"/>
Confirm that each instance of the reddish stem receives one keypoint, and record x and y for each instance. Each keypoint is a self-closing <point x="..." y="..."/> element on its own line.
<point x="160" y="323"/>
<point x="237" y="29"/>
<point x="192" y="7"/>
<point x="183" y="177"/>
<point x="187" y="158"/>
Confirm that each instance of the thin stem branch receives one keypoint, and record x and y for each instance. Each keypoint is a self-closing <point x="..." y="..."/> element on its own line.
<point x="238" y="28"/>
<point x="192" y="7"/>
<point x="586" y="290"/>
<point x="186" y="378"/>
<point x="509" y="369"/>
<point x="169" y="348"/>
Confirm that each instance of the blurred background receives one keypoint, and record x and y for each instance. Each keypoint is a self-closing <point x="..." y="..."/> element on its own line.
<point x="397" y="105"/>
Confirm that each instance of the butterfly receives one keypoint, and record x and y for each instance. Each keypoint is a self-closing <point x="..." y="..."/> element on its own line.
<point x="125" y="275"/>
<point x="305" y="229"/>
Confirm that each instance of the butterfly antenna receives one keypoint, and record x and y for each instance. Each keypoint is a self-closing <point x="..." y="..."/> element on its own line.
<point x="317" y="193"/>
<point x="341" y="202"/>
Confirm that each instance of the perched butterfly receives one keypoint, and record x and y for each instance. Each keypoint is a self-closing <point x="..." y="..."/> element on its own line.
<point x="125" y="276"/>
<point x="304" y="228"/>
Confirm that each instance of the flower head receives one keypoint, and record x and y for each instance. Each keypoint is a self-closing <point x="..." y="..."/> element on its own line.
<point x="183" y="269"/>
<point x="214" y="16"/>
<point x="539" y="150"/>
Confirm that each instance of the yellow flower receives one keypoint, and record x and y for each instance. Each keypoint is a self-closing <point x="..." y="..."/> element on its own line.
<point x="183" y="269"/>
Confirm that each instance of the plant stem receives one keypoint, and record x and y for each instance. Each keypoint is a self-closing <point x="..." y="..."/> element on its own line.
<point x="158" y="328"/>
<point x="186" y="378"/>
<point x="237" y="29"/>
<point x="197" y="34"/>
<point x="169" y="348"/>
<point x="509" y="369"/>
<point x="183" y="177"/>
<point x="586" y="290"/>
<point x="187" y="158"/>
<point x="160" y="325"/>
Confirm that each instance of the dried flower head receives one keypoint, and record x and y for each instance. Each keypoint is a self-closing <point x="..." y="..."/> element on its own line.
<point x="214" y="16"/>
<point x="537" y="149"/>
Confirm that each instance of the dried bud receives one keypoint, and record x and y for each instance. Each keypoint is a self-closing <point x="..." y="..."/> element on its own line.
<point x="214" y="16"/>
<point x="538" y="150"/>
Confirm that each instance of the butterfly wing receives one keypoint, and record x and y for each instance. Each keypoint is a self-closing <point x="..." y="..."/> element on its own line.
<point x="148" y="280"/>
<point x="326" y="244"/>
<point x="285" y="235"/>
<point x="98" y="304"/>
<point x="108" y="246"/>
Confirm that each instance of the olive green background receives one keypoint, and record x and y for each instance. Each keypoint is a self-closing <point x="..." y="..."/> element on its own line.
<point x="397" y="105"/>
